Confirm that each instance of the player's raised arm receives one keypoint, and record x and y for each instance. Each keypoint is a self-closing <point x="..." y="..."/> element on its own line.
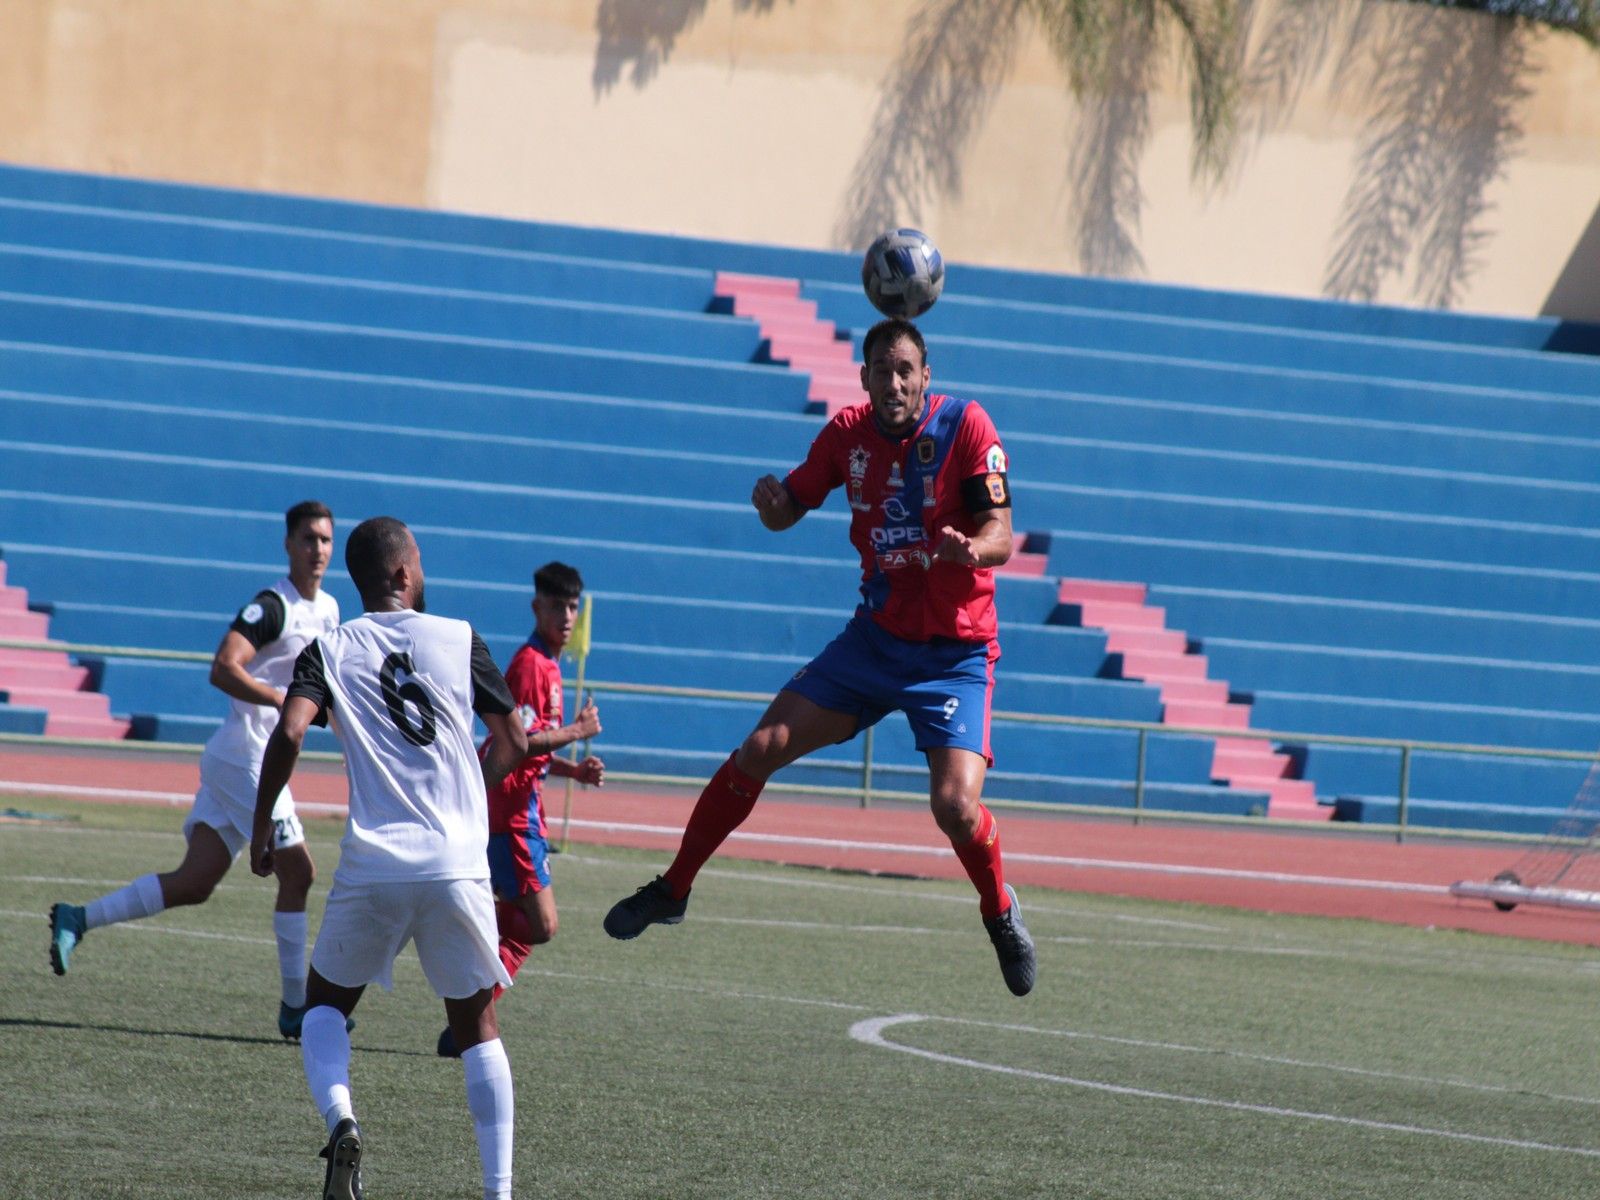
<point x="987" y="546"/>
<point x="774" y="504"/>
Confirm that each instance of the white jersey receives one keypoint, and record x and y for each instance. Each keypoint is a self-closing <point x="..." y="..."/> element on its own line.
<point x="279" y="622"/>
<point x="404" y="686"/>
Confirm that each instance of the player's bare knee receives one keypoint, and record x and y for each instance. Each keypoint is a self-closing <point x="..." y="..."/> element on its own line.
<point x="956" y="814"/>
<point x="181" y="889"/>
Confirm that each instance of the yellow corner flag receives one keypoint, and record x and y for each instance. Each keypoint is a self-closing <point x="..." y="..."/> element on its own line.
<point x="578" y="647"/>
<point x="578" y="643"/>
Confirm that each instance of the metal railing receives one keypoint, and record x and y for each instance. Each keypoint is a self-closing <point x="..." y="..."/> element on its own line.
<point x="866" y="791"/>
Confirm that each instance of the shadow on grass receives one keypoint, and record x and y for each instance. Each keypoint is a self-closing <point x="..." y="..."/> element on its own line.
<point x="232" y="1038"/>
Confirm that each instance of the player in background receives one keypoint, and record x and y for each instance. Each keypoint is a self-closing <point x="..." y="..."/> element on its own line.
<point x="252" y="666"/>
<point x="519" y="847"/>
<point x="412" y="864"/>
<point x="931" y="517"/>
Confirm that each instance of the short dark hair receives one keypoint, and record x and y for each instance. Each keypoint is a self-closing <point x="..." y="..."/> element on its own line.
<point x="891" y="331"/>
<point x="373" y="551"/>
<point x="306" y="510"/>
<point x="558" y="580"/>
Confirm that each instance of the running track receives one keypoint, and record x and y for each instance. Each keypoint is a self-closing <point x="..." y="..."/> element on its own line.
<point x="1274" y="870"/>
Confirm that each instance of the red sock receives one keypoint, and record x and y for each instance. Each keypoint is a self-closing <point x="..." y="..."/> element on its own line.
<point x="722" y="808"/>
<point x="981" y="858"/>
<point x="516" y="939"/>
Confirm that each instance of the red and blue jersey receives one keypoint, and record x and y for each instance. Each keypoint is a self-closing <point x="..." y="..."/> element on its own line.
<point x="534" y="678"/>
<point x="902" y="491"/>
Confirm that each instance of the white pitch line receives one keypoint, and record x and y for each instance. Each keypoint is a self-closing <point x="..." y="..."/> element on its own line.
<point x="810" y="1002"/>
<point x="934" y="851"/>
<point x="145" y="927"/>
<point x="1058" y="860"/>
<point x="870" y="1033"/>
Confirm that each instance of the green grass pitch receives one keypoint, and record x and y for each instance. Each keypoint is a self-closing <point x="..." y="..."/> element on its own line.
<point x="804" y="1034"/>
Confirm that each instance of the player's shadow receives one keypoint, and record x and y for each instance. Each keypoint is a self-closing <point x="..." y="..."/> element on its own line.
<point x="190" y="1034"/>
<point x="638" y="36"/>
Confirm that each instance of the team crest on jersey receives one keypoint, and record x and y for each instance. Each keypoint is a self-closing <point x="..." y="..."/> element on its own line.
<point x="995" y="460"/>
<point x="894" y="481"/>
<point x="925" y="450"/>
<point x="858" y="462"/>
<point x="856" y="501"/>
<point x="528" y="716"/>
<point x="250" y="613"/>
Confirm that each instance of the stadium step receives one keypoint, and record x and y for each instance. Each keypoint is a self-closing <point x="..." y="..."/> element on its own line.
<point x="1156" y="641"/>
<point x="22" y="625"/>
<point x="100" y="729"/>
<point x="1140" y="664"/>
<point x="13" y="599"/>
<point x="1190" y="691"/>
<point x="1076" y="591"/>
<point x="59" y="701"/>
<point x="794" y="336"/>
<point x="1156" y="655"/>
<point x="53" y="676"/>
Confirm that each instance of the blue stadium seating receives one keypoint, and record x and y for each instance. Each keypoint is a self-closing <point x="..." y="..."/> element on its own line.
<point x="1373" y="521"/>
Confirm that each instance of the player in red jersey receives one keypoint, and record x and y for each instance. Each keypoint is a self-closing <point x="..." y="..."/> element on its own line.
<point x="519" y="849"/>
<point x="925" y="476"/>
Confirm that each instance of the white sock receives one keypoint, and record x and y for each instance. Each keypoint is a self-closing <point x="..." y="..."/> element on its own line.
<point x="491" y="1101"/>
<point x="141" y="898"/>
<point x="290" y="930"/>
<point x="325" y="1053"/>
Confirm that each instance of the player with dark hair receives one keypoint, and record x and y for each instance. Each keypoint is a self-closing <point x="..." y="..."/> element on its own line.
<point x="925" y="477"/>
<point x="412" y="867"/>
<point x="519" y="847"/>
<point x="252" y="665"/>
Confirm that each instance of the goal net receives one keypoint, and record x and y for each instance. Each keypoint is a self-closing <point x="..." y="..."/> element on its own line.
<point x="1562" y="870"/>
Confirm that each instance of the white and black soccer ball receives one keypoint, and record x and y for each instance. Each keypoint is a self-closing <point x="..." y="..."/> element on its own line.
<point x="903" y="273"/>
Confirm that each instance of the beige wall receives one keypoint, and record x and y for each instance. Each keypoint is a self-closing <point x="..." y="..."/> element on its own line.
<point x="1381" y="164"/>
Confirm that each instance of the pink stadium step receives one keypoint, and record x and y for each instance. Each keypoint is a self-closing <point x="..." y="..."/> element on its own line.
<point x="1226" y="763"/>
<point x="23" y="625"/>
<point x="1023" y="563"/>
<point x="1141" y="664"/>
<point x="13" y="599"/>
<point x="61" y="702"/>
<point x="1190" y="691"/>
<point x="54" y="676"/>
<point x="1076" y="591"/>
<point x="1115" y="614"/>
<point x="1151" y="652"/>
<point x="782" y="308"/>
<point x="730" y="283"/>
<point x="1211" y="716"/>
<point x="830" y="358"/>
<point x="1157" y="641"/>
<point x="32" y="658"/>
<point x="85" y="727"/>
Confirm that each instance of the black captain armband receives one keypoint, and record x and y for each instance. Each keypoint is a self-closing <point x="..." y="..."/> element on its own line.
<point x="980" y="493"/>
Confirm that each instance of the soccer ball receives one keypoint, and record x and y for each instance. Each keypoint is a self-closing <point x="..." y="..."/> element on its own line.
<point x="902" y="273"/>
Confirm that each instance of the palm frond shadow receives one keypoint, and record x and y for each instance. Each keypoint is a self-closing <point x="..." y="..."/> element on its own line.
<point x="957" y="53"/>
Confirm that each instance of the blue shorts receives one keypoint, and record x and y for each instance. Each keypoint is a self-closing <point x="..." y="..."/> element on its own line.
<point x="519" y="863"/>
<point x="943" y="686"/>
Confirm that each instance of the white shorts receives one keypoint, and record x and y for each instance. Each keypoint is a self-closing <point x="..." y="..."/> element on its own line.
<point x="226" y="801"/>
<point x="365" y="926"/>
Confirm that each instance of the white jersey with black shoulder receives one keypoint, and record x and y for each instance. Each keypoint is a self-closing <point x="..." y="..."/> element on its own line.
<point x="279" y="622"/>
<point x="404" y="686"/>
